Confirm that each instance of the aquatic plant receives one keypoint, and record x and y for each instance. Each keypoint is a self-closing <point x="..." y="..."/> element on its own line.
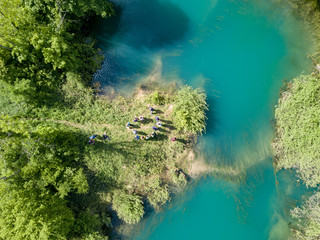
<point x="190" y="110"/>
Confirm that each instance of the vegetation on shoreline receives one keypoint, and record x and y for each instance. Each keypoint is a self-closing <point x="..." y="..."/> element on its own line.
<point x="309" y="11"/>
<point x="297" y="125"/>
<point x="53" y="184"/>
<point x="297" y="146"/>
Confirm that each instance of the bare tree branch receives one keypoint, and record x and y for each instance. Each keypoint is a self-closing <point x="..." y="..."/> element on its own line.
<point x="7" y="40"/>
<point x="6" y="177"/>
<point x="61" y="13"/>
<point x="49" y="146"/>
<point x="10" y="49"/>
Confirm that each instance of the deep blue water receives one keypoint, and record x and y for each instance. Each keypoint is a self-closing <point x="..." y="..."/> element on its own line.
<point x="239" y="52"/>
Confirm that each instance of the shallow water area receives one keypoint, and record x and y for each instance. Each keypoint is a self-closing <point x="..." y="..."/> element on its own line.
<point x="239" y="52"/>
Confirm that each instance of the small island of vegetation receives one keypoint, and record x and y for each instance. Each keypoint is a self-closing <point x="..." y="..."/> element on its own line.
<point x="56" y="181"/>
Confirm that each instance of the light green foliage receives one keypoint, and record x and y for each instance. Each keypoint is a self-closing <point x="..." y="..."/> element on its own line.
<point x="190" y="110"/>
<point x="95" y="236"/>
<point x="297" y="144"/>
<point x="38" y="171"/>
<point x="158" y="193"/>
<point x="44" y="154"/>
<point x="121" y="163"/>
<point x="307" y="219"/>
<point x="27" y="214"/>
<point x="157" y="98"/>
<point x="129" y="207"/>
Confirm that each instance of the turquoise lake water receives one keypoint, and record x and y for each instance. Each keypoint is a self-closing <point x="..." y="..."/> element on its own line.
<point x="239" y="52"/>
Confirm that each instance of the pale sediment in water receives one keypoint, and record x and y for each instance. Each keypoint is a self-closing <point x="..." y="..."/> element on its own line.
<point x="197" y="166"/>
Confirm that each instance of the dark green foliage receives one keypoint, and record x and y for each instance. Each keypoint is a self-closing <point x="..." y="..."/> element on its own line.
<point x="57" y="11"/>
<point x="36" y="57"/>
<point x="157" y="98"/>
<point x="190" y="109"/>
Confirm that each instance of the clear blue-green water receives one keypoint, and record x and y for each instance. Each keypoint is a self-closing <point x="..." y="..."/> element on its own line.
<point x="239" y="52"/>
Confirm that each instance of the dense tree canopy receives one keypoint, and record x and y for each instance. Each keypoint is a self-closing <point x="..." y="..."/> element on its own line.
<point x="40" y="161"/>
<point x="27" y="213"/>
<point x="38" y="169"/>
<point x="39" y="44"/>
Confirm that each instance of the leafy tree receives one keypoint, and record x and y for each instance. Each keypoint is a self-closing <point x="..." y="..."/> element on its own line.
<point x="59" y="12"/>
<point x="36" y="53"/>
<point x="190" y="110"/>
<point x="26" y="213"/>
<point x="297" y="145"/>
<point x="37" y="171"/>
<point x="129" y="207"/>
<point x="45" y="155"/>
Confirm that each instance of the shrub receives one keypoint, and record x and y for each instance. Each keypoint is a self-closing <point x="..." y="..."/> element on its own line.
<point x="190" y="110"/>
<point x="129" y="207"/>
<point x="298" y="125"/>
<point x="157" y="98"/>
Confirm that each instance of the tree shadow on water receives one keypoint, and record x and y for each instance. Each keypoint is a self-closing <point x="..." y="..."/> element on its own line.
<point x="105" y="28"/>
<point x="154" y="24"/>
<point x="138" y="26"/>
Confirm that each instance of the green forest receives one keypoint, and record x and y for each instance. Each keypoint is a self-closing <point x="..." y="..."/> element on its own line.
<point x="56" y="182"/>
